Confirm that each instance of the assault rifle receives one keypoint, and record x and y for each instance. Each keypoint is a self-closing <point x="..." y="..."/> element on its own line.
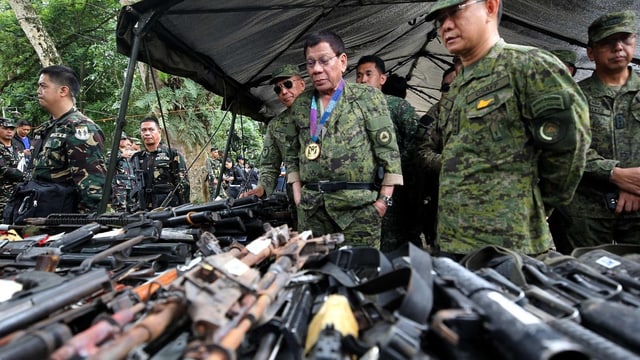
<point x="514" y="332"/>
<point x="226" y="293"/>
<point x="36" y="303"/>
<point x="561" y="315"/>
<point x="229" y="217"/>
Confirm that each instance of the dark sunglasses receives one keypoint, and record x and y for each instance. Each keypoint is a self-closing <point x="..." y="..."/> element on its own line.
<point x="287" y="84"/>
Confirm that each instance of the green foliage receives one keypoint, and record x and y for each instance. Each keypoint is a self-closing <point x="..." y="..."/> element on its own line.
<point x="193" y="115"/>
<point x="84" y="34"/>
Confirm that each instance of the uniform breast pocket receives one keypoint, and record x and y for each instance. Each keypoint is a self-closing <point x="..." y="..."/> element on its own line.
<point x="635" y="108"/>
<point x="493" y="121"/>
<point x="54" y="153"/>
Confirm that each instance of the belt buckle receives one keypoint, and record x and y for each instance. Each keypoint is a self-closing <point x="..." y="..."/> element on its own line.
<point x="320" y="183"/>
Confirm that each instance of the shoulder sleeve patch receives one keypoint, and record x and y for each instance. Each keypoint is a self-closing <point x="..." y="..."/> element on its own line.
<point x="383" y="136"/>
<point x="82" y="133"/>
<point x="545" y="103"/>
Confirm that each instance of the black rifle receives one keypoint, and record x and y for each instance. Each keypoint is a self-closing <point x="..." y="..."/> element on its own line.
<point x="560" y="315"/>
<point x="516" y="333"/>
<point x="34" y="304"/>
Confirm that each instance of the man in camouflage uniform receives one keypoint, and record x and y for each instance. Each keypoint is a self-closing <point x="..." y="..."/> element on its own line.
<point x="568" y="57"/>
<point x="159" y="170"/>
<point x="9" y="158"/>
<point x="511" y="136"/>
<point x="397" y="224"/>
<point x="288" y="85"/>
<point x="69" y="147"/>
<point x="339" y="135"/>
<point x="212" y="167"/>
<point x="124" y="179"/>
<point x="605" y="206"/>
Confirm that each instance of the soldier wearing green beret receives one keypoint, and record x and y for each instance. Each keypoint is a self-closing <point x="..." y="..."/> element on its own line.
<point x="339" y="136"/>
<point x="512" y="134"/>
<point x="605" y="206"/>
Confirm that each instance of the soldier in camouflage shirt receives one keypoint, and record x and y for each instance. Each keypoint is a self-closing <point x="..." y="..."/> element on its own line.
<point x="124" y="179"/>
<point x="397" y="227"/>
<point x="338" y="135"/>
<point x="69" y="147"/>
<point x="288" y="85"/>
<point x="512" y="131"/>
<point x="613" y="161"/>
<point x="212" y="167"/>
<point x="158" y="170"/>
<point x="9" y="158"/>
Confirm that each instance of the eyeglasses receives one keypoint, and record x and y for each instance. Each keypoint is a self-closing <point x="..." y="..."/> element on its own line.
<point x="323" y="61"/>
<point x="612" y="41"/>
<point x="288" y="84"/>
<point x="452" y="12"/>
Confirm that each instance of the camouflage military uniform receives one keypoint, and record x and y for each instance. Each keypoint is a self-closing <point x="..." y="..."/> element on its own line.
<point x="397" y="224"/>
<point x="357" y="137"/>
<point x="213" y="173"/>
<point x="158" y="173"/>
<point x="512" y="132"/>
<point x="123" y="184"/>
<point x="72" y="154"/>
<point x="9" y="174"/>
<point x="273" y="150"/>
<point x="615" y="127"/>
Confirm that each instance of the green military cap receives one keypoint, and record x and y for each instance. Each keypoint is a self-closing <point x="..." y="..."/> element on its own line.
<point x="442" y="4"/>
<point x="136" y="141"/>
<point x="612" y="23"/>
<point x="8" y="123"/>
<point x="566" y="56"/>
<point x="123" y="136"/>
<point x="284" y="71"/>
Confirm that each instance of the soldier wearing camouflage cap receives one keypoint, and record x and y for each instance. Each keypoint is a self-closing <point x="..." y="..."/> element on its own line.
<point x="10" y="176"/>
<point x="605" y="206"/>
<point x="568" y="57"/>
<point x="512" y="135"/>
<point x="340" y="134"/>
<point x="288" y="84"/>
<point x="70" y="148"/>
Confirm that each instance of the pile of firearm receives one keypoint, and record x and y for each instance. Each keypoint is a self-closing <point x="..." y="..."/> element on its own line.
<point x="165" y="285"/>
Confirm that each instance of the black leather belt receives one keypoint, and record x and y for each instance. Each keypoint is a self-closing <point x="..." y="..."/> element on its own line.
<point x="333" y="186"/>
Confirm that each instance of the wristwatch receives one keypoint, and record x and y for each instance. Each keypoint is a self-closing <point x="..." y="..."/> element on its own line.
<point x="388" y="201"/>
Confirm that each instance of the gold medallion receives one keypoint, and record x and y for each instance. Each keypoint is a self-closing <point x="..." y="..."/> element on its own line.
<point x="312" y="151"/>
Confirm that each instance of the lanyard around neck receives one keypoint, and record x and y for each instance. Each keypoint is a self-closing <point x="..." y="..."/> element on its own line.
<point x="316" y="128"/>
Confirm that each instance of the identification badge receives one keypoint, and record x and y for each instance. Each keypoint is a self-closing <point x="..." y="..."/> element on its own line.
<point x="312" y="151"/>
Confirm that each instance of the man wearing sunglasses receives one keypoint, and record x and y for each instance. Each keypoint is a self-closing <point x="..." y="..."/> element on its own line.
<point x="288" y="84"/>
<point x="605" y="206"/>
<point x="512" y="133"/>
<point x="339" y="137"/>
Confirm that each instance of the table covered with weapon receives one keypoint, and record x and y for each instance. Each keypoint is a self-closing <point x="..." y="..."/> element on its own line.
<point x="230" y="279"/>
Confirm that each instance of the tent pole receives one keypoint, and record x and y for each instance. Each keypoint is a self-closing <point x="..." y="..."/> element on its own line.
<point x="124" y="101"/>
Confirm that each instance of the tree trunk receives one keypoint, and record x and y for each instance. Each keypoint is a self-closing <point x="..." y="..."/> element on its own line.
<point x="35" y="32"/>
